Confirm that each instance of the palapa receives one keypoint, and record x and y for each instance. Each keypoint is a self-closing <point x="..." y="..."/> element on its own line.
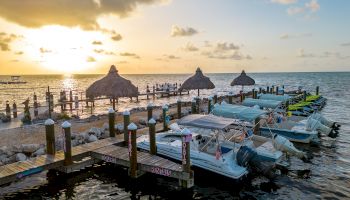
<point x="243" y="80"/>
<point x="112" y="86"/>
<point x="197" y="81"/>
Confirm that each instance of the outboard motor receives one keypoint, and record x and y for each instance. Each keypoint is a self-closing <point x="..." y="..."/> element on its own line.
<point x="324" y="121"/>
<point x="247" y="157"/>
<point x="284" y="145"/>
<point x="313" y="125"/>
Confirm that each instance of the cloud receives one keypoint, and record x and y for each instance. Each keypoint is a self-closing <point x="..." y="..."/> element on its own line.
<point x="19" y="52"/>
<point x="97" y="42"/>
<point x="284" y="1"/>
<point x="102" y="51"/>
<point x="177" y="31"/>
<point x="346" y="44"/>
<point x="302" y="54"/>
<point x="6" y="39"/>
<point x="122" y="62"/>
<point x="293" y="36"/>
<point x="295" y="10"/>
<point x="225" y="50"/>
<point x="43" y="50"/>
<point x="224" y="46"/>
<point x="116" y="37"/>
<point x="337" y="55"/>
<point x="171" y="57"/>
<point x="82" y="13"/>
<point x="127" y="54"/>
<point x="90" y="59"/>
<point x="313" y="5"/>
<point x="189" y="47"/>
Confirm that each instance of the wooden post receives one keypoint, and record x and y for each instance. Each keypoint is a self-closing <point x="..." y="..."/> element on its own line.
<point x="132" y="150"/>
<point x="111" y="122"/>
<point x="152" y="136"/>
<point x="267" y="89"/>
<point x="230" y="95"/>
<point x="154" y="92"/>
<point x="8" y="110"/>
<point x="198" y="108"/>
<point x="193" y="106"/>
<point x="113" y="103"/>
<point x="241" y="95"/>
<point x="272" y="89"/>
<point x="67" y="146"/>
<point x="317" y="90"/>
<point x="287" y="105"/>
<point x="149" y="111"/>
<point x="14" y="109"/>
<point x="210" y="99"/>
<point x="126" y="115"/>
<point x="71" y="100"/>
<point x="257" y="126"/>
<point x="137" y="96"/>
<point x="179" y="109"/>
<point x="304" y="95"/>
<point x="50" y="137"/>
<point x="215" y="98"/>
<point x="260" y="90"/>
<point x="253" y="93"/>
<point x="165" y="118"/>
<point x="277" y="90"/>
<point x="186" y="156"/>
<point x="36" y="109"/>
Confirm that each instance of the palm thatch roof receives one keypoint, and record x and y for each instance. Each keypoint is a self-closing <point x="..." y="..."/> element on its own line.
<point x="242" y="80"/>
<point x="197" y="81"/>
<point x="112" y="85"/>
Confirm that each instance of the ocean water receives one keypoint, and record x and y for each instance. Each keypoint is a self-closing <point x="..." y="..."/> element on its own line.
<point x="326" y="176"/>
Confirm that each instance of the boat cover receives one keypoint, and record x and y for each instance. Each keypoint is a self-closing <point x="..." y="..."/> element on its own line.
<point x="237" y="112"/>
<point x="265" y="103"/>
<point x="206" y="121"/>
<point x="282" y="98"/>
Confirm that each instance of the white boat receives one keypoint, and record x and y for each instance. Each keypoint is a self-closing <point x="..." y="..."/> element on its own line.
<point x="169" y="144"/>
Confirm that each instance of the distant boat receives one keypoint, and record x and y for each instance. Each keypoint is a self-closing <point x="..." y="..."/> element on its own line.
<point x="14" y="80"/>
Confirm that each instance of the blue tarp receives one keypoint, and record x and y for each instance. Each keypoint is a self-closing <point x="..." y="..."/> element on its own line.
<point x="262" y="103"/>
<point x="282" y="98"/>
<point x="237" y="112"/>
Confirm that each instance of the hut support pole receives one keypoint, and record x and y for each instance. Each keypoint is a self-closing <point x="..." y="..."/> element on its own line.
<point x="179" y="108"/>
<point x="113" y="101"/>
<point x="111" y="119"/>
<point x="50" y="137"/>
<point x="67" y="147"/>
<point x="198" y="92"/>
<point x="267" y="89"/>
<point x="152" y="136"/>
<point x="132" y="150"/>
<point x="126" y="115"/>
<point x="241" y="95"/>
<point x="198" y="106"/>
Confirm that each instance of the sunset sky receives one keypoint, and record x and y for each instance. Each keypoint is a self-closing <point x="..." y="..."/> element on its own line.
<point x="173" y="36"/>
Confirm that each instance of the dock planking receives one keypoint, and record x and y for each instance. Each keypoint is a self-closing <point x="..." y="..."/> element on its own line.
<point x="145" y="161"/>
<point x="18" y="170"/>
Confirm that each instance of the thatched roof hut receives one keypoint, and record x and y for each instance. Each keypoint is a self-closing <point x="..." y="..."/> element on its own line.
<point x="112" y="86"/>
<point x="242" y="80"/>
<point x="197" y="81"/>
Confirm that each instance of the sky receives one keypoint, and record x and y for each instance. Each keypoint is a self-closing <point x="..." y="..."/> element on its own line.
<point x="173" y="36"/>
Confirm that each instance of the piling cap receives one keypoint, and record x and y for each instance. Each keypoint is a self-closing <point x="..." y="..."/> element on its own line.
<point x="215" y="93"/>
<point x="152" y="121"/>
<point x="49" y="122"/>
<point x="110" y="110"/>
<point x="185" y="131"/>
<point x="132" y="127"/>
<point x="66" y="124"/>
<point x="230" y="94"/>
<point x="179" y="100"/>
<point x="150" y="105"/>
<point x="165" y="106"/>
<point x="126" y="112"/>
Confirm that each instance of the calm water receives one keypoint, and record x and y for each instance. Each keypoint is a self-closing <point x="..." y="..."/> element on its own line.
<point x="327" y="176"/>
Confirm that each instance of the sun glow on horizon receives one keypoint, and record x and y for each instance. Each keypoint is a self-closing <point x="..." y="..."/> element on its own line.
<point x="61" y="49"/>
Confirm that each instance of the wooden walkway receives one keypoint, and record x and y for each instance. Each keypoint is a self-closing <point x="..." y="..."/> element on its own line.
<point x="145" y="162"/>
<point x="18" y="170"/>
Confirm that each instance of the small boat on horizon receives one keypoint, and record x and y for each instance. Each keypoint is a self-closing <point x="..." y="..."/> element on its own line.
<point x="14" y="80"/>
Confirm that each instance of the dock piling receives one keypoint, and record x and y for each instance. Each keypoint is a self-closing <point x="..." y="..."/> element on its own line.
<point x="14" y="109"/>
<point x="8" y="110"/>
<point x="230" y="95"/>
<point x="111" y="122"/>
<point x="304" y="95"/>
<point x="179" y="109"/>
<point x="277" y="90"/>
<point x="186" y="157"/>
<point x="50" y="137"/>
<point x="193" y="106"/>
<point x="166" y="119"/>
<point x="126" y="115"/>
<point x="241" y="95"/>
<point x="67" y="145"/>
<point x="132" y="150"/>
<point x="210" y="99"/>
<point x="152" y="136"/>
<point x="317" y="90"/>
<point x="149" y="111"/>
<point x="215" y="98"/>
<point x="198" y="107"/>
